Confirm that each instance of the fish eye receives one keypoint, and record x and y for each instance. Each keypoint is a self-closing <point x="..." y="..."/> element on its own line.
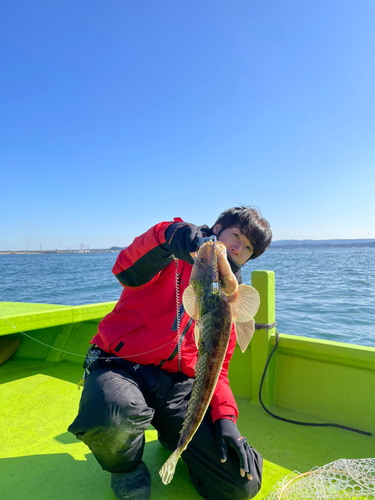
<point x="201" y="260"/>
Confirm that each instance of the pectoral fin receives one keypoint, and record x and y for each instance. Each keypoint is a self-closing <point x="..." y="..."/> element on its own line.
<point x="244" y="333"/>
<point x="244" y="303"/>
<point x="190" y="301"/>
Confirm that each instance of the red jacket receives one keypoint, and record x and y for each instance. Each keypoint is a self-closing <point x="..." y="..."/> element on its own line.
<point x="143" y="328"/>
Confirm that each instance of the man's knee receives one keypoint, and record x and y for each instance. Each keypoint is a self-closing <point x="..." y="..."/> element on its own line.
<point x="109" y="399"/>
<point x="244" y="488"/>
<point x="114" y="448"/>
<point x="112" y="418"/>
<point x="246" y="491"/>
<point x="222" y="481"/>
<point x="237" y="489"/>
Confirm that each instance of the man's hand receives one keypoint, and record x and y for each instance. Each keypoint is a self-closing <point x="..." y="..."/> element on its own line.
<point x="228" y="434"/>
<point x="182" y="240"/>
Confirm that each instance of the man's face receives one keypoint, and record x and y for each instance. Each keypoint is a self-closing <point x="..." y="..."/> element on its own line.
<point x="238" y="246"/>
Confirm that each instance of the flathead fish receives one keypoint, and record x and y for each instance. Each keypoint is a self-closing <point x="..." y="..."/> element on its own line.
<point x="215" y="300"/>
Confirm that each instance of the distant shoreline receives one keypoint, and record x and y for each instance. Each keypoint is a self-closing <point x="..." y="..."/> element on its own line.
<point x="278" y="244"/>
<point x="358" y="243"/>
<point x="36" y="252"/>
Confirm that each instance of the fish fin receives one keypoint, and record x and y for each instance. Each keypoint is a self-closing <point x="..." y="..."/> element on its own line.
<point x="191" y="303"/>
<point x="196" y="334"/>
<point x="203" y="327"/>
<point x="200" y="364"/>
<point x="244" y="303"/>
<point x="167" y="471"/>
<point x="244" y="333"/>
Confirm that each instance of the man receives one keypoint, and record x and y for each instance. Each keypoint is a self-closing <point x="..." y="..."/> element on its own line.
<point x="138" y="375"/>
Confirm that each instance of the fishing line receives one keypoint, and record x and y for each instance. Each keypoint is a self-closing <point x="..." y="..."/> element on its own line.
<point x="83" y="355"/>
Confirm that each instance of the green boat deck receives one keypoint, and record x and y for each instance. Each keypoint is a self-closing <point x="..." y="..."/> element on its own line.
<point x="307" y="380"/>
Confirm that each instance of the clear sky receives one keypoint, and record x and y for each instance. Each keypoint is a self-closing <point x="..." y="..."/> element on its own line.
<point x="117" y="115"/>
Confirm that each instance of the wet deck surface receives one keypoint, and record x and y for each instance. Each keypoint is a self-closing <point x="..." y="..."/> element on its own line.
<point x="40" y="460"/>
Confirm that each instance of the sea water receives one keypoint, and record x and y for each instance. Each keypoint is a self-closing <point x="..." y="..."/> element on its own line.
<point x="325" y="293"/>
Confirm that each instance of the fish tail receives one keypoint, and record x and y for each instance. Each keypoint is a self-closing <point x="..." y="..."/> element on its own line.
<point x="167" y="471"/>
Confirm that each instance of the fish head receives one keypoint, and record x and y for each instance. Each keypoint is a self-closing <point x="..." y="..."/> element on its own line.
<point x="205" y="266"/>
<point x="205" y="269"/>
<point x="212" y="266"/>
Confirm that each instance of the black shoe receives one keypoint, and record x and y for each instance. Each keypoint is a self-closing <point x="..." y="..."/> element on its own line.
<point x="164" y="443"/>
<point x="133" y="485"/>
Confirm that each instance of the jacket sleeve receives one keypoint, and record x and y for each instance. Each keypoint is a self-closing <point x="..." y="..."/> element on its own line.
<point x="141" y="262"/>
<point x="223" y="404"/>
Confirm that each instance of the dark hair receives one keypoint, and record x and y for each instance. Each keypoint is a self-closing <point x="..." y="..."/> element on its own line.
<point x="251" y="223"/>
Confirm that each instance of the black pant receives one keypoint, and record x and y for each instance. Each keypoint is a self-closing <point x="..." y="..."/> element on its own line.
<point x="114" y="413"/>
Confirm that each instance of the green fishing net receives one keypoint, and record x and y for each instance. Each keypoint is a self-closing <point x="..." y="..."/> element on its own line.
<point x="341" y="479"/>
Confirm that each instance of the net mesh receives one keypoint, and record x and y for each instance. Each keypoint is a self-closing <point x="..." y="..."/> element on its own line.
<point x="341" y="479"/>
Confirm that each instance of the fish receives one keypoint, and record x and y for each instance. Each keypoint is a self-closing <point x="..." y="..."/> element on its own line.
<point x="215" y="300"/>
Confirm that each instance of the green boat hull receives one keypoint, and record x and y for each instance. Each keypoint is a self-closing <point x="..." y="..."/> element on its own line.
<point x="307" y="380"/>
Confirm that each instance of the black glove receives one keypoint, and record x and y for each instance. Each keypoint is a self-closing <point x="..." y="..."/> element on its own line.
<point x="182" y="240"/>
<point x="228" y="434"/>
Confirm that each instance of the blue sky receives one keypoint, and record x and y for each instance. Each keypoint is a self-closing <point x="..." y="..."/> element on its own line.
<point x="117" y="115"/>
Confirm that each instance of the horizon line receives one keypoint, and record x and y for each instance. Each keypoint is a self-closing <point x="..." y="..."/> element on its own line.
<point x="116" y="248"/>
